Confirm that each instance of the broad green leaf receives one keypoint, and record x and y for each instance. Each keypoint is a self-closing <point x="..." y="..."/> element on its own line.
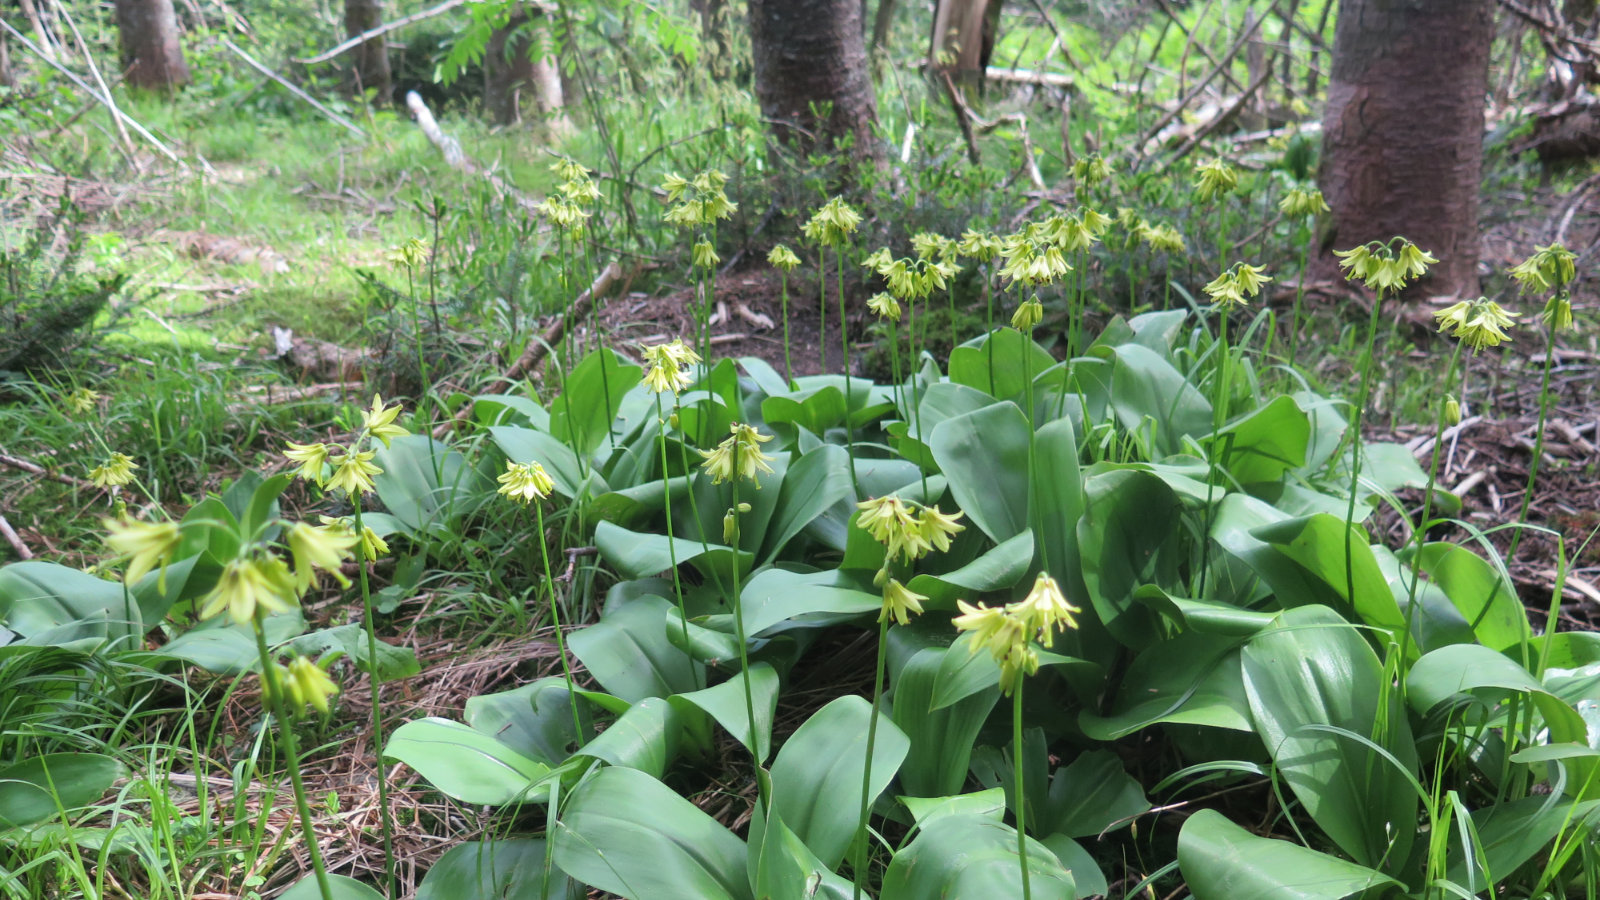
<point x="999" y="363"/>
<point x="624" y="832"/>
<point x="645" y="737"/>
<point x="1093" y="794"/>
<point x="425" y="484"/>
<point x="1317" y="545"/>
<point x="49" y="601"/>
<point x="1200" y="615"/>
<point x="641" y="554"/>
<point x="815" y="410"/>
<point x="1222" y="861"/>
<point x="1147" y="394"/>
<point x="1058" y="493"/>
<point x="811" y="485"/>
<point x="783" y="866"/>
<point x="217" y="645"/>
<point x="941" y="738"/>
<point x="628" y="652"/>
<point x="816" y="777"/>
<point x="998" y="569"/>
<point x="963" y="673"/>
<point x="583" y="414"/>
<point x="535" y="719"/>
<point x="1128" y="516"/>
<point x="351" y="640"/>
<point x="1192" y="679"/>
<point x="1267" y="442"/>
<point x="37" y="788"/>
<point x="774" y="596"/>
<point x="1086" y="874"/>
<point x="725" y="703"/>
<point x="465" y="764"/>
<point x="990" y="804"/>
<point x="341" y="887"/>
<point x="984" y="454"/>
<point x="1509" y="834"/>
<point x="494" y="870"/>
<point x="973" y="856"/>
<point x="1488" y="603"/>
<point x="1310" y="671"/>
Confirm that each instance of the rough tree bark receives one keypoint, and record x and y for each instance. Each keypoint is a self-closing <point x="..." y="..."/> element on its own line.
<point x="810" y="57"/>
<point x="1402" y="147"/>
<point x="520" y="75"/>
<point x="152" y="58"/>
<point x="963" y="39"/>
<point x="369" y="60"/>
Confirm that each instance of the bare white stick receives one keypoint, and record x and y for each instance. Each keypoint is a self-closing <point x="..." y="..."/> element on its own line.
<point x="104" y="100"/>
<point x="385" y="28"/>
<point x="291" y="88"/>
<point x="88" y="59"/>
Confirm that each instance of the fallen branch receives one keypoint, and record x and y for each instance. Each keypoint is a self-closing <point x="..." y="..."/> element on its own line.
<point x="14" y="539"/>
<point x="1227" y="60"/>
<point x="457" y="158"/>
<point x="538" y="349"/>
<point x="572" y="561"/>
<point x="1223" y="117"/>
<point x="334" y="117"/>
<point x="36" y="469"/>
<point x="385" y="28"/>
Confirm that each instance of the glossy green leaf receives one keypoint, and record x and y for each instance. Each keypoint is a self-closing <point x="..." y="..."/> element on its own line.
<point x="999" y="363"/>
<point x="1267" y="442"/>
<point x="783" y="866"/>
<point x="941" y="738"/>
<point x="39" y="787"/>
<point x="465" y="764"/>
<point x="990" y="804"/>
<point x="424" y="483"/>
<point x="535" y="719"/>
<point x="341" y="887"/>
<point x="1147" y="394"/>
<point x="56" y="603"/>
<point x="1091" y="795"/>
<point x="582" y="415"/>
<point x="1086" y="874"/>
<point x="1128" y="516"/>
<point x="775" y="596"/>
<point x="1509" y="834"/>
<point x="816" y="777"/>
<point x="351" y="640"/>
<point x="1192" y="679"/>
<point x="725" y="703"/>
<point x="1316" y="544"/>
<point x="984" y="454"/>
<point x="1312" y="671"/>
<point x="1058" y="492"/>
<point x="628" y="652"/>
<point x="645" y="737"/>
<point x="1222" y="861"/>
<point x="217" y="645"/>
<point x="624" y="832"/>
<point x="811" y="485"/>
<point x="494" y="870"/>
<point x="973" y="856"/>
<point x="1488" y="603"/>
<point x="641" y="554"/>
<point x="999" y="568"/>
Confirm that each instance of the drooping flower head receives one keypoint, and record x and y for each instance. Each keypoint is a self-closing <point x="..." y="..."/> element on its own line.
<point x="251" y="586"/>
<point x="1549" y="267"/>
<point x="1046" y="609"/>
<point x="783" y="258"/>
<point x="1557" y="313"/>
<point x="1477" y="323"/>
<point x="738" y="456"/>
<point x="353" y="471"/>
<point x="900" y="603"/>
<point x="317" y="548"/>
<point x="307" y="684"/>
<point x="116" y="471"/>
<point x="372" y="546"/>
<point x="1028" y="315"/>
<point x="1005" y="636"/>
<point x="378" y="422"/>
<point x="890" y="522"/>
<point x="980" y="245"/>
<point x="1214" y="179"/>
<point x="705" y="255"/>
<point x="1162" y="238"/>
<point x="938" y="528"/>
<point x="1303" y="203"/>
<point x="663" y="371"/>
<point x="1385" y="267"/>
<point x="885" y="306"/>
<point x="82" y="400"/>
<point x="525" y="482"/>
<point x="410" y="255"/>
<point x="1090" y="171"/>
<point x="311" y="460"/>
<point x="832" y="224"/>
<point x="697" y="201"/>
<point x="1032" y="256"/>
<point x="146" y="545"/>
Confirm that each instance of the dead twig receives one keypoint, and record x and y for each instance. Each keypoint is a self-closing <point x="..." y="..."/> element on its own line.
<point x="538" y="349"/>
<point x="334" y="117"/>
<point x="12" y="538"/>
<point x="385" y="28"/>
<point x="572" y="561"/>
<point x="1226" y="60"/>
<point x="36" y="469"/>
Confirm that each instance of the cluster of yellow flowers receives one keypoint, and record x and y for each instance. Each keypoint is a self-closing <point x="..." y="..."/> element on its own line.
<point x="912" y="279"/>
<point x="1090" y="171"/>
<point x="1303" y="203"/>
<point x="1215" y="179"/>
<point x="783" y="258"/>
<point x="1237" y="285"/>
<point x="697" y="201"/>
<point x="82" y="400"/>
<point x="885" y="306"/>
<point x="909" y="534"/>
<point x="352" y="467"/>
<point x="1032" y="256"/>
<point x="1381" y="267"/>
<point x="525" y="482"/>
<point x="1008" y="632"/>
<point x="738" y="456"/>
<point x="980" y="245"/>
<point x="565" y="208"/>
<point x="115" y="472"/>
<point x="1477" y="323"/>
<point x="1159" y="237"/>
<point x="833" y="224"/>
<point x="665" y="366"/>
<point x="306" y="683"/>
<point x="1029" y="314"/>
<point x="411" y="255"/>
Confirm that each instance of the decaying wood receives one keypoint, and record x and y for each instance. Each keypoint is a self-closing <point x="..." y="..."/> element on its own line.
<point x="457" y="158"/>
<point x="33" y="468"/>
<point x="538" y="349"/>
<point x="1227" y="59"/>
<point x="316" y="360"/>
<point x="12" y="538"/>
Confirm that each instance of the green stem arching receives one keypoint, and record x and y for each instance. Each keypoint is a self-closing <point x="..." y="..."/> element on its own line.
<point x="1419" y="532"/>
<point x="672" y="544"/>
<point x="555" y="621"/>
<point x="859" y="866"/>
<point x="844" y="347"/>
<point x="291" y="753"/>
<point x="1018" y="770"/>
<point x="1538" y="446"/>
<point x="1355" y="449"/>
<point x="374" y="680"/>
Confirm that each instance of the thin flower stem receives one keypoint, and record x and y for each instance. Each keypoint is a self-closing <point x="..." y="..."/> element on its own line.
<point x="1538" y="448"/>
<point x="594" y="332"/>
<point x="1299" y="297"/>
<point x="988" y="322"/>
<point x="555" y="620"/>
<point x="1420" y="531"/>
<point x="822" y="309"/>
<point x="291" y="754"/>
<point x="672" y="544"/>
<point x="1021" y="804"/>
<point x="744" y="649"/>
<point x="916" y="399"/>
<point x="844" y="346"/>
<point x="1219" y="415"/>
<point x="859" y="866"/>
<point x="788" y="366"/>
<point x="375" y="682"/>
<point x="1355" y="450"/>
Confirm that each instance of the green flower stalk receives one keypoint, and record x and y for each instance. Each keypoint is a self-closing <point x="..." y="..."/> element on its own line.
<point x="1551" y="267"/>
<point x="784" y="260"/>
<point x="1383" y="268"/>
<point x="697" y="204"/>
<point x="1008" y="633"/>
<point x="1299" y="204"/>
<point x="832" y="226"/>
<point x="1449" y="408"/>
<point x="663" y="373"/>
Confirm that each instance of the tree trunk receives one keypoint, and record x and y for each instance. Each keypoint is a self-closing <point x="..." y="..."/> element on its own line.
<point x="520" y="75"/>
<point x="369" y="61"/>
<point x="1402" y="148"/>
<point x="963" y="39"/>
<point x="811" y="74"/>
<point x="152" y="58"/>
<point x="714" y="35"/>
